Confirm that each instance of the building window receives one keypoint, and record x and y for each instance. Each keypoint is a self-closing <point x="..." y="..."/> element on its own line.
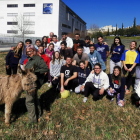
<point x="12" y="23"/>
<point x="29" y="14"/>
<point x="12" y="31"/>
<point x="29" y="23"/>
<point x="66" y="26"/>
<point x="29" y="5"/>
<point x="12" y="14"/>
<point x="12" y="5"/>
<point x="29" y="32"/>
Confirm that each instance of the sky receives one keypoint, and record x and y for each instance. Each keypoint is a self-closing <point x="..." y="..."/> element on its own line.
<point x="106" y="12"/>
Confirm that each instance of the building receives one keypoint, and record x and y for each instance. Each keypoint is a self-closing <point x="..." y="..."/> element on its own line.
<point x="36" y="18"/>
<point x="110" y="27"/>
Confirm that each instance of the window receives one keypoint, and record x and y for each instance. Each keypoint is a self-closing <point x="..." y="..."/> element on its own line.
<point x="29" y="14"/>
<point x="12" y="31"/>
<point x="29" y="32"/>
<point x="29" y="23"/>
<point x="66" y="26"/>
<point x="12" y="14"/>
<point x="12" y="5"/>
<point x="29" y="5"/>
<point x="12" y="23"/>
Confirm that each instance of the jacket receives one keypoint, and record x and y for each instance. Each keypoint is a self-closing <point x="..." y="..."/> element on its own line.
<point x="69" y="42"/>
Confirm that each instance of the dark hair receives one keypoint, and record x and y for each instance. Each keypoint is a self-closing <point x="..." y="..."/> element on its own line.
<point x="54" y="57"/>
<point x="38" y="40"/>
<point x="64" y="33"/>
<point x="79" y="47"/>
<point x="134" y="42"/>
<point x="28" y="40"/>
<point x="82" y="61"/>
<point x="40" y="46"/>
<point x="54" y="36"/>
<point x="68" y="57"/>
<point x="44" y="43"/>
<point x="98" y="64"/>
<point x="119" y="76"/>
<point x="16" y="50"/>
<point x="91" y="45"/>
<point x="114" y="44"/>
<point x="64" y="42"/>
<point x="51" y="44"/>
<point x="77" y="34"/>
<point x="87" y="38"/>
<point x="99" y="36"/>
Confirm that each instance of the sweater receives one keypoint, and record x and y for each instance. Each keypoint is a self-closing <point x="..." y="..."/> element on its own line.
<point x="99" y="81"/>
<point x="56" y="67"/>
<point x="82" y="75"/>
<point x="49" y="53"/>
<point x="66" y="52"/>
<point x="94" y="58"/>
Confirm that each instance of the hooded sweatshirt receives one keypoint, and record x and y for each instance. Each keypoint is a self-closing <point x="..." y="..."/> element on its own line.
<point x="94" y="58"/>
<point x="99" y="81"/>
<point x="138" y="50"/>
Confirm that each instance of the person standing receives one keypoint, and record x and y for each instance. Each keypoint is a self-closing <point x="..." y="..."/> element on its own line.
<point x="50" y="50"/>
<point x="116" y="51"/>
<point x="130" y="59"/>
<point x="44" y="42"/>
<point x="50" y="39"/>
<point x="37" y="43"/>
<point x="56" y="43"/>
<point x="102" y="48"/>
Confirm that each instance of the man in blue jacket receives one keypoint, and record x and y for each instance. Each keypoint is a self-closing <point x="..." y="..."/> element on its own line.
<point x="23" y="57"/>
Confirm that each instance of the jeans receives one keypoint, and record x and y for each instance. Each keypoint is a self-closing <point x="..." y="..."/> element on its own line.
<point x="113" y="64"/>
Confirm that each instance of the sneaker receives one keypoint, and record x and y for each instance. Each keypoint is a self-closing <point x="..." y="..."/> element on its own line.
<point x="118" y="100"/>
<point x="110" y="94"/>
<point x="85" y="99"/>
<point x="50" y="84"/>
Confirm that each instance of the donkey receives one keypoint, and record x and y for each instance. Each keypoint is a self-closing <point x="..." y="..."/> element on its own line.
<point x="12" y="87"/>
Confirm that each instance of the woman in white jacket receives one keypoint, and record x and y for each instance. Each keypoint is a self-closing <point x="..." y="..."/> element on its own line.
<point x="96" y="83"/>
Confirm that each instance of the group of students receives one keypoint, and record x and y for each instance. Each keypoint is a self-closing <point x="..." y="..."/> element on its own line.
<point x="79" y="66"/>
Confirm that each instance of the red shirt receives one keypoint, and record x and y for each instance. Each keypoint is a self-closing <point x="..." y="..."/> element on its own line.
<point x="46" y="59"/>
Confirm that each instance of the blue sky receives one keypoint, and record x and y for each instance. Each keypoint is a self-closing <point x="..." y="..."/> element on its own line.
<point x="106" y="12"/>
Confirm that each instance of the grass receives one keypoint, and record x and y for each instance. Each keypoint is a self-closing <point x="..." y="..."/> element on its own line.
<point x="71" y="119"/>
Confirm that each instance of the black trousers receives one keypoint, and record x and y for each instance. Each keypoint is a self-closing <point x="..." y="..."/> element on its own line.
<point x="12" y="70"/>
<point x="72" y="84"/>
<point x="89" y="87"/>
<point x="130" y="75"/>
<point x="55" y="82"/>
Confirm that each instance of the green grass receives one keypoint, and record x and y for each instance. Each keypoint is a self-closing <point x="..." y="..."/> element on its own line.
<point x="71" y="119"/>
<point x="123" y="37"/>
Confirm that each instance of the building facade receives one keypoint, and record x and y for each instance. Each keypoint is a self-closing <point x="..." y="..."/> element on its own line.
<point x="37" y="18"/>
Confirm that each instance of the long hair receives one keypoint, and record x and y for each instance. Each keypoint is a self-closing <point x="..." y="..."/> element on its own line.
<point x="50" y="45"/>
<point x="82" y="61"/>
<point x="16" y="49"/>
<point x="44" y="44"/>
<point x="53" y="60"/>
<point x="119" y="76"/>
<point x="114" y="44"/>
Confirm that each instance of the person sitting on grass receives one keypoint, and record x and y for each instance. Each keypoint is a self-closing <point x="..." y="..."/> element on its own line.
<point x="55" y="67"/>
<point x="13" y="57"/>
<point x="96" y="83"/>
<point x="83" y="73"/>
<point x="130" y="59"/>
<point x="117" y="86"/>
<point x="68" y="76"/>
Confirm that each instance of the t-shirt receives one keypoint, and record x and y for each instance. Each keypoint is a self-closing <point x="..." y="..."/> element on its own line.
<point x="86" y="48"/>
<point x="77" y="43"/>
<point x="130" y="57"/>
<point x="57" y="46"/>
<point x="117" y="53"/>
<point x="84" y="57"/>
<point x="82" y="75"/>
<point x="102" y="49"/>
<point x="68" y="71"/>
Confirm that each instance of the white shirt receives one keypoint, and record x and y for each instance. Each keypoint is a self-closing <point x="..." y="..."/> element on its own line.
<point x="57" y="46"/>
<point x="69" y="42"/>
<point x="86" y="50"/>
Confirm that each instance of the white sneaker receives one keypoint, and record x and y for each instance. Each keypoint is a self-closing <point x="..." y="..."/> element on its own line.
<point x="85" y="99"/>
<point x="50" y="84"/>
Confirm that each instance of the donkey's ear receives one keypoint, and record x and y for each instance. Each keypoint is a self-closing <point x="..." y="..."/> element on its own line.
<point x="23" y="72"/>
<point x="33" y="68"/>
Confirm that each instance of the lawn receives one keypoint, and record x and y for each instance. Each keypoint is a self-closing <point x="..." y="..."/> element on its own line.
<point x="71" y="119"/>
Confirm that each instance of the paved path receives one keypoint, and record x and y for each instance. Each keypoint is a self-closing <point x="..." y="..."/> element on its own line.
<point x="5" y="48"/>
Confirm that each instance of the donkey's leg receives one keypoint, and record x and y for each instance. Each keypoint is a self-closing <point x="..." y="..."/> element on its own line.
<point x="8" y="108"/>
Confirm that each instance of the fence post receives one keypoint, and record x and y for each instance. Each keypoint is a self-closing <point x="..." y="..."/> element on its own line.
<point x="93" y="40"/>
<point x="13" y="41"/>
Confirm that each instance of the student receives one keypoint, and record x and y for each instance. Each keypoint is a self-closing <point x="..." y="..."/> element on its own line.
<point x="117" y="49"/>
<point x="83" y="73"/>
<point x="68" y="76"/>
<point x="56" y="44"/>
<point x="64" y="51"/>
<point x="37" y="43"/>
<point x="55" y="67"/>
<point x="117" y="86"/>
<point x="130" y="58"/>
<point x="86" y="45"/>
<point x="13" y="57"/>
<point x="102" y="48"/>
<point x="96" y="83"/>
<point x="95" y="57"/>
<point x="50" y="50"/>
<point x="50" y="39"/>
<point x="80" y="56"/>
<point x="23" y="57"/>
<point x="76" y="43"/>
<point x="44" y="42"/>
<point x="68" y="40"/>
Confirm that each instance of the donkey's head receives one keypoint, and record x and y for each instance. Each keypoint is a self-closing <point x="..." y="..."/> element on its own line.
<point x="28" y="80"/>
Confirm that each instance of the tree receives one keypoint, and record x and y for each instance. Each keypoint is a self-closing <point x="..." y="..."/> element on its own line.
<point x="122" y="32"/>
<point x="23" y="25"/>
<point x="134" y="25"/>
<point x="116" y="30"/>
<point x="94" y="28"/>
<point x="108" y="32"/>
